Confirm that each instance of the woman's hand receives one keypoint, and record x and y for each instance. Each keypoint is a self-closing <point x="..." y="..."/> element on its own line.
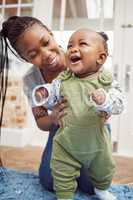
<point x="105" y="116"/>
<point x="59" y="111"/>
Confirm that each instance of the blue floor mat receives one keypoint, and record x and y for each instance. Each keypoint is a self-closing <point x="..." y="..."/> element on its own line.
<point x="25" y="186"/>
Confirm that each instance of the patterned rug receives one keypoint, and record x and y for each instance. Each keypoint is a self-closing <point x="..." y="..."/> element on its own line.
<point x="18" y="185"/>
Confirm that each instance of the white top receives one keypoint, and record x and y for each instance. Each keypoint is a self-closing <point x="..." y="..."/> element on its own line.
<point x="31" y="79"/>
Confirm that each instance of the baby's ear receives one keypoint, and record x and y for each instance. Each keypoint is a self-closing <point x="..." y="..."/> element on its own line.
<point x="102" y="58"/>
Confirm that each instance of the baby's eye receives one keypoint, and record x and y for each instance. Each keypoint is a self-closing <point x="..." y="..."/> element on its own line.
<point x="69" y="46"/>
<point x="83" y="43"/>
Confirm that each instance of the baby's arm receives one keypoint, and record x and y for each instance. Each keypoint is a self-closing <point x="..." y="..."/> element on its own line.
<point x="111" y="102"/>
<point x="47" y="94"/>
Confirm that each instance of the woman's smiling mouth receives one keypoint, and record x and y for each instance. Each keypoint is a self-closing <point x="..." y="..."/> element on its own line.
<point x="52" y="61"/>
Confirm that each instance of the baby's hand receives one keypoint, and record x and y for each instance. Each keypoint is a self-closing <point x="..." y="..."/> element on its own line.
<point x="41" y="94"/>
<point x="99" y="96"/>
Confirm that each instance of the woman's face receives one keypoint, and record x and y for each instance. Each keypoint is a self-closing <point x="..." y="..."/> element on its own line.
<point x="39" y="47"/>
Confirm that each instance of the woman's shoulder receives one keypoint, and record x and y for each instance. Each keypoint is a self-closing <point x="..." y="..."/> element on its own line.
<point x="32" y="72"/>
<point x="33" y="77"/>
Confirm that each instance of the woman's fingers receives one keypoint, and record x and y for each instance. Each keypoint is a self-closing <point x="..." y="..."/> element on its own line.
<point x="59" y="111"/>
<point x="107" y="116"/>
<point x="61" y="114"/>
<point x="104" y="115"/>
<point x="62" y="104"/>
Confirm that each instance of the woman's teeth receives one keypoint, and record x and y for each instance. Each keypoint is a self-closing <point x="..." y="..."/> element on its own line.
<point x="52" y="61"/>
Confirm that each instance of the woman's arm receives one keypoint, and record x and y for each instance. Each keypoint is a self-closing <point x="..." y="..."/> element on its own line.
<point x="44" y="120"/>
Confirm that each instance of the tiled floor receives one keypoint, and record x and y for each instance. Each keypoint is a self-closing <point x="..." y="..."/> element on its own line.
<point x="28" y="159"/>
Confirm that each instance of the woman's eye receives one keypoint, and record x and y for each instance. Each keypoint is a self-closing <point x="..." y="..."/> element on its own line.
<point x="33" y="55"/>
<point x="45" y="43"/>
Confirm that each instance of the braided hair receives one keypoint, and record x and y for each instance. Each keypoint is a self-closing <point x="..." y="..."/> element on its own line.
<point x="11" y="30"/>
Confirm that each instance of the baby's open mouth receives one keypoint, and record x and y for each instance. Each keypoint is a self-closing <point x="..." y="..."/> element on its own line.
<point x="75" y="59"/>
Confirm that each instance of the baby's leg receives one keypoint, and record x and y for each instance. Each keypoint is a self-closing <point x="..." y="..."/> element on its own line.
<point x="101" y="172"/>
<point x="65" y="170"/>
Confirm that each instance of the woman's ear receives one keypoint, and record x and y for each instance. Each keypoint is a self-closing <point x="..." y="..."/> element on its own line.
<point x="101" y="58"/>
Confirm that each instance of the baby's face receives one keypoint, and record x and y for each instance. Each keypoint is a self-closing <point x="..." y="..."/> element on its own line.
<point x="85" y="49"/>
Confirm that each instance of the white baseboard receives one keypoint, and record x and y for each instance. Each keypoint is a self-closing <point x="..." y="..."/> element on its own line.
<point x="16" y="137"/>
<point x="21" y="137"/>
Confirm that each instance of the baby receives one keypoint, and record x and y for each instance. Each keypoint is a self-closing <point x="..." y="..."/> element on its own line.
<point x="83" y="138"/>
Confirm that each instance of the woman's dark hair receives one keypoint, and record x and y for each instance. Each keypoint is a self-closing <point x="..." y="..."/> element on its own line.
<point x="11" y="30"/>
<point x="15" y="26"/>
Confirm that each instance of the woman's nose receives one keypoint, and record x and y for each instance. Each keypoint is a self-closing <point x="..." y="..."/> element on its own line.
<point x="45" y="52"/>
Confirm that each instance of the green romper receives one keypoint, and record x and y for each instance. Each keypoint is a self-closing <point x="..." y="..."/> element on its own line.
<point x="83" y="139"/>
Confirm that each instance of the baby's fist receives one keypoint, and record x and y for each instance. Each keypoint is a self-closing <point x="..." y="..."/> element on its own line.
<point x="99" y="96"/>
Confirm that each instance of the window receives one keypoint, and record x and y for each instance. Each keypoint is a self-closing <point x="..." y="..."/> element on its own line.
<point x="26" y="1"/>
<point x="10" y="12"/>
<point x="76" y="13"/>
<point x="15" y="7"/>
<point x="11" y="1"/>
